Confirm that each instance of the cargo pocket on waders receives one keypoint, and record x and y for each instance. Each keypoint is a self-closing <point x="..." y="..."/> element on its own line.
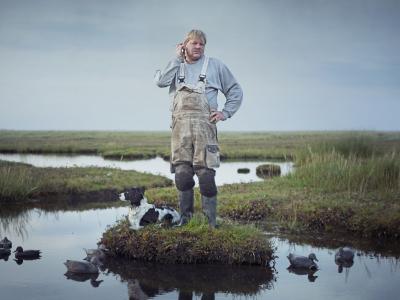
<point x="212" y="156"/>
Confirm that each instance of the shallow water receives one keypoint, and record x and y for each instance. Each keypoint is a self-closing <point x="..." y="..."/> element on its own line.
<point x="61" y="235"/>
<point x="226" y="173"/>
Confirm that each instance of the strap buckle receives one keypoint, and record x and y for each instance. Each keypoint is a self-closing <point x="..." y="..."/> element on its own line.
<point x="202" y="77"/>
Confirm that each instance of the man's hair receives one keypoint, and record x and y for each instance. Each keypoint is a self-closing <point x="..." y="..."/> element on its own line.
<point x="196" y="34"/>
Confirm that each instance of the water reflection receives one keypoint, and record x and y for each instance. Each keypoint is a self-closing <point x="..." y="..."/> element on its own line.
<point x="147" y="280"/>
<point x="84" y="277"/>
<point x="15" y="218"/>
<point x="20" y="260"/>
<point x="302" y="271"/>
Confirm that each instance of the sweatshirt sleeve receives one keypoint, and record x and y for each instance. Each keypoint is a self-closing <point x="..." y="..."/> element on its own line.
<point x="232" y="91"/>
<point x="164" y="78"/>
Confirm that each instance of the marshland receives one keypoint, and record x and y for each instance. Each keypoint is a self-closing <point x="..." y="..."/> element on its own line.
<point x="343" y="190"/>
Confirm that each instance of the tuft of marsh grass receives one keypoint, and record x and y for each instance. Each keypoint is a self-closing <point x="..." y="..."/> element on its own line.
<point x="333" y="171"/>
<point x="268" y="170"/>
<point x="16" y="181"/>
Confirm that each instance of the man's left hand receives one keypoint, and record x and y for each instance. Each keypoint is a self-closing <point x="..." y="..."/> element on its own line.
<point x="216" y="116"/>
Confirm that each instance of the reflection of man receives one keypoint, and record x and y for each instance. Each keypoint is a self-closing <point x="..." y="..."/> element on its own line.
<point x="194" y="81"/>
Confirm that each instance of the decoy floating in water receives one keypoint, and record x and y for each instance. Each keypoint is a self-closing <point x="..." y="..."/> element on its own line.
<point x="297" y="261"/>
<point x="100" y="252"/>
<point x="344" y="254"/>
<point x="83" y="267"/>
<point x="5" y="243"/>
<point x="344" y="257"/>
<point x="4" y="253"/>
<point x="20" y="253"/>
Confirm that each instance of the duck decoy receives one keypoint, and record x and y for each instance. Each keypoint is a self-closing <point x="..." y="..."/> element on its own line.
<point x="20" y="253"/>
<point x="83" y="267"/>
<point x="100" y="252"/>
<point x="5" y="243"/>
<point x="297" y="261"/>
<point x="344" y="254"/>
<point x="344" y="257"/>
<point x="4" y="253"/>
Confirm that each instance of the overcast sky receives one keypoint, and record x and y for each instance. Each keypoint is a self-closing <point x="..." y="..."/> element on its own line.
<point x="303" y="64"/>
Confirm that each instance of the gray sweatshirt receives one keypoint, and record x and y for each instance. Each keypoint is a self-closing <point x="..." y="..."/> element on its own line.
<point x="218" y="77"/>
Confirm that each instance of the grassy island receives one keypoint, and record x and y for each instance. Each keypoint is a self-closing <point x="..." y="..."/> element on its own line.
<point x="190" y="244"/>
<point x="20" y="181"/>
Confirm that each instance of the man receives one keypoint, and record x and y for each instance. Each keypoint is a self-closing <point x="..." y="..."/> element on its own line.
<point x="194" y="81"/>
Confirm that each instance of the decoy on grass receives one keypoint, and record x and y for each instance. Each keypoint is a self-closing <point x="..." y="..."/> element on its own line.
<point x="297" y="261"/>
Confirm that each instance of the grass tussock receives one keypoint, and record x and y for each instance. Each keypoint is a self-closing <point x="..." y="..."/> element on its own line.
<point x="16" y="181"/>
<point x="334" y="171"/>
<point x="268" y="170"/>
<point x="194" y="243"/>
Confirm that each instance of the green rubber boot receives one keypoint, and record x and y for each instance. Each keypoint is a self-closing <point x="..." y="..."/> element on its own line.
<point x="186" y="200"/>
<point x="209" y="205"/>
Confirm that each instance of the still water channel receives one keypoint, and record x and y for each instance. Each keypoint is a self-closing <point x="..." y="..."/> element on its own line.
<point x="226" y="173"/>
<point x="62" y="233"/>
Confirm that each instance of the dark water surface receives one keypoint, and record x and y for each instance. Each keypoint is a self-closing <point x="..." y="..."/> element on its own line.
<point x="61" y="235"/>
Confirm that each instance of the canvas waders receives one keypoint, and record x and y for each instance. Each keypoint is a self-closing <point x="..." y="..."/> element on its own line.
<point x="194" y="146"/>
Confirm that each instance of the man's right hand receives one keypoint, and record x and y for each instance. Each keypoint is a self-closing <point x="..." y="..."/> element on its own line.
<point x="179" y="51"/>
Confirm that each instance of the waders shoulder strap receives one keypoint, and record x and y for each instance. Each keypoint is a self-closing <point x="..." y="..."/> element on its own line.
<point x="181" y="76"/>
<point x="202" y="76"/>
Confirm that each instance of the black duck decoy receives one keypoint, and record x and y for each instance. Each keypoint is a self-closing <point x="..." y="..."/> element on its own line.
<point x="100" y="252"/>
<point x="297" y="261"/>
<point x="20" y="253"/>
<point x="5" y="243"/>
<point x="83" y="267"/>
<point x="4" y="253"/>
<point x="344" y="257"/>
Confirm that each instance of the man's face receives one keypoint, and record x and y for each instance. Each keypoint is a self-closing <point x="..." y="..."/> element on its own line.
<point x="194" y="49"/>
